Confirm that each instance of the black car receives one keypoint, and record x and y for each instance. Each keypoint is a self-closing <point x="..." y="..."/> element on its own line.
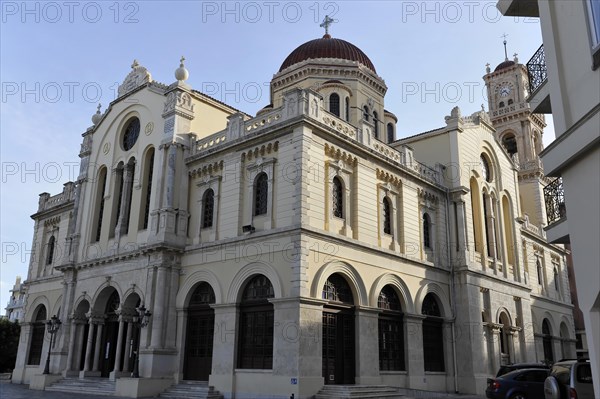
<point x="518" y="384"/>
<point x="518" y="366"/>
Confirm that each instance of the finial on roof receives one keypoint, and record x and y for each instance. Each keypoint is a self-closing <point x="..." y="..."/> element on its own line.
<point x="487" y="68"/>
<point x="135" y="64"/>
<point x="326" y="24"/>
<point x="516" y="58"/>
<point x="97" y="116"/>
<point x="505" y="51"/>
<point x="181" y="73"/>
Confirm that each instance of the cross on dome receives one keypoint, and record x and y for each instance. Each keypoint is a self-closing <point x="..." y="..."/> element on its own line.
<point x="327" y="23"/>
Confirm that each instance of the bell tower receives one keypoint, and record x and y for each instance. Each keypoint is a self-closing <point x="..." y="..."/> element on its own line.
<point x="519" y="131"/>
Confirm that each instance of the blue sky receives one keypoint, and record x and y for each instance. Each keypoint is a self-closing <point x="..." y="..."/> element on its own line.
<point x="58" y="60"/>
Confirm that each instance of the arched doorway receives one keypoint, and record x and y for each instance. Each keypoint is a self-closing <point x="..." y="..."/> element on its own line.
<point x="547" y="342"/>
<point x="38" y="330"/>
<point x="82" y="330"/>
<point x="391" y="330"/>
<point x="197" y="363"/>
<point x="505" y="349"/>
<point x="110" y="334"/>
<point x="433" y="334"/>
<point x="338" y="332"/>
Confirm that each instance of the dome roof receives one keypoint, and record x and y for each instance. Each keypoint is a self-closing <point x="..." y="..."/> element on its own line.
<point x="327" y="47"/>
<point x="504" y="65"/>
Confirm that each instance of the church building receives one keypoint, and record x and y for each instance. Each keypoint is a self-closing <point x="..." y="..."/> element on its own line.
<point x="298" y="250"/>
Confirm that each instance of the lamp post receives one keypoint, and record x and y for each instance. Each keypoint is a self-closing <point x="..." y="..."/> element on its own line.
<point x="141" y="319"/>
<point x="52" y="326"/>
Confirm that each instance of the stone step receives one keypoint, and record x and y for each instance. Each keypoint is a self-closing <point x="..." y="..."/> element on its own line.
<point x="88" y="386"/>
<point x="358" y="391"/>
<point x="191" y="390"/>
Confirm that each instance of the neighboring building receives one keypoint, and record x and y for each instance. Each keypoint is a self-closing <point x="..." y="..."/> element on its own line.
<point x="302" y="247"/>
<point x="16" y="303"/>
<point x="564" y="79"/>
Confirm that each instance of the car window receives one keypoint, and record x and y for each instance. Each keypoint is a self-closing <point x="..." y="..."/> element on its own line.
<point x="584" y="373"/>
<point x="538" y="376"/>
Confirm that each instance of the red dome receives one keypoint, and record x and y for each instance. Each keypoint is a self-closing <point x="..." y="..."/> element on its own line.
<point x="327" y="47"/>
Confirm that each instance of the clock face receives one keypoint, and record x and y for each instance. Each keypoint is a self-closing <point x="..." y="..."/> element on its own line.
<point x="504" y="90"/>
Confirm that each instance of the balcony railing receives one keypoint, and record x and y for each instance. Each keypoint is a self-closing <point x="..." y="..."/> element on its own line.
<point x="554" y="195"/>
<point x="536" y="67"/>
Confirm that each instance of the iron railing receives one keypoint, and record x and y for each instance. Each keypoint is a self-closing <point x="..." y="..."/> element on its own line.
<point x="537" y="69"/>
<point x="554" y="196"/>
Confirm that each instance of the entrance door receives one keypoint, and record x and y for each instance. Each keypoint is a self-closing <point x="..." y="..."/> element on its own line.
<point x="109" y="347"/>
<point x="338" y="347"/>
<point x="199" y="345"/>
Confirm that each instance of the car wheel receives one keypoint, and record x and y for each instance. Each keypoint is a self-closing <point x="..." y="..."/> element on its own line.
<point x="551" y="389"/>
<point x="518" y="396"/>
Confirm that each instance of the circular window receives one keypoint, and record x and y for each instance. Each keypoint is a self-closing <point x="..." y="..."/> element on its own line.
<point x="485" y="169"/>
<point x="132" y="131"/>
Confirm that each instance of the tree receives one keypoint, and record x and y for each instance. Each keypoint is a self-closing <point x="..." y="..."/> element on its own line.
<point x="9" y="343"/>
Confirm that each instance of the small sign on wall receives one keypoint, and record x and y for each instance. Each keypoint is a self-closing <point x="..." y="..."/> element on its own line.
<point x="294" y="381"/>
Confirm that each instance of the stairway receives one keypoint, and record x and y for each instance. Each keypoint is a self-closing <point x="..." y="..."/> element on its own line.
<point x="191" y="390"/>
<point x="358" y="391"/>
<point x="85" y="386"/>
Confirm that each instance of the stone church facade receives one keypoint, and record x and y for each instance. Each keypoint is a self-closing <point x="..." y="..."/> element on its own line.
<point x="302" y="247"/>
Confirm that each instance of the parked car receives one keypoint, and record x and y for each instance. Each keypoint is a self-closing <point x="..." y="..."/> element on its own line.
<point x="518" y="384"/>
<point x="518" y="366"/>
<point x="570" y="379"/>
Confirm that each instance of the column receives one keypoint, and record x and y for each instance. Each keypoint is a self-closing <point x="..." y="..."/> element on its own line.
<point x="367" y="367"/>
<point x="118" y="354"/>
<point x="223" y="374"/>
<point x="88" y="348"/>
<point x="156" y="340"/>
<point x="414" y="349"/>
<point x="72" y="339"/>
<point x="97" y="352"/>
<point x="128" y="348"/>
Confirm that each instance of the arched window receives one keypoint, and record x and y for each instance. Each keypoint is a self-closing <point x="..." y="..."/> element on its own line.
<point x="261" y="194"/>
<point x="118" y="190"/>
<point x="501" y="105"/>
<point x="539" y="272"/>
<point x="426" y="230"/>
<point x="347" y="109"/>
<point x="547" y="342"/>
<point x="390" y="133"/>
<point x="433" y="334"/>
<point x="38" y="330"/>
<point x="366" y="113"/>
<point x="391" y="330"/>
<point x="149" y="165"/>
<point x="556" y="285"/>
<point x="334" y="104"/>
<point x="100" y="202"/>
<point x="255" y="349"/>
<point x="336" y="289"/>
<point x="50" y="253"/>
<point x="208" y="208"/>
<point x="510" y="143"/>
<point x="486" y="171"/>
<point x="131" y="133"/>
<point x="510" y="102"/>
<point x="338" y="197"/>
<point x="376" y="124"/>
<point x="387" y="216"/>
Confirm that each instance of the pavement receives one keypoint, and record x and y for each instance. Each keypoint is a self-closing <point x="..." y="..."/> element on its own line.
<point x="19" y="391"/>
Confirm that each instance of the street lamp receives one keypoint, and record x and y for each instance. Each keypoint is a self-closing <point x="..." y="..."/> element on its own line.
<point x="52" y="326"/>
<point x="141" y="319"/>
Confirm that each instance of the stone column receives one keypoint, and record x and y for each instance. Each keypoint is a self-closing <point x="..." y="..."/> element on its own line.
<point x="88" y="349"/>
<point x="156" y="340"/>
<point x="414" y="344"/>
<point x="367" y="340"/>
<point x="223" y="370"/>
<point x="119" y="353"/>
<point x="126" y="367"/>
<point x="97" y="348"/>
<point x="72" y="339"/>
